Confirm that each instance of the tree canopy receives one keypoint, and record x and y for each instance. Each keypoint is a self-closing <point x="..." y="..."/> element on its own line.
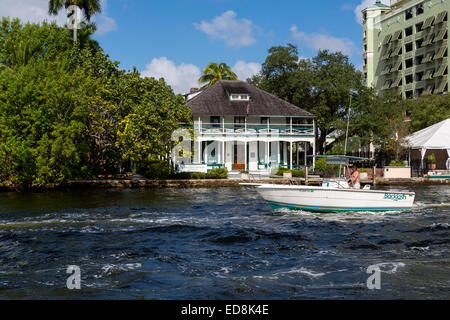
<point x="215" y="72"/>
<point x="330" y="87"/>
<point x="69" y="112"/>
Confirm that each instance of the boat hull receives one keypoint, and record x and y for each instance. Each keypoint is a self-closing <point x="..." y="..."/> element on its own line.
<point x="335" y="200"/>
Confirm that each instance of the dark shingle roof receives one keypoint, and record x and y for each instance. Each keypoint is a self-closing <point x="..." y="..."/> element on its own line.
<point x="215" y="101"/>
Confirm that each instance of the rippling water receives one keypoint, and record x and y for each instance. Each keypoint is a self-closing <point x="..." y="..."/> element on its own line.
<point x="217" y="244"/>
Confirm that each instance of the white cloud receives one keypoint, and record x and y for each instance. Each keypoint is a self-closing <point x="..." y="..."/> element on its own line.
<point x="180" y="77"/>
<point x="320" y="41"/>
<point x="105" y="24"/>
<point x="227" y="27"/>
<point x="246" y="70"/>
<point x="36" y="11"/>
<point x="29" y="11"/>
<point x="364" y="4"/>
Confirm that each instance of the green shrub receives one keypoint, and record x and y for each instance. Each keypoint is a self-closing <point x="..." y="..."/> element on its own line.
<point x="321" y="165"/>
<point x="432" y="158"/>
<point x="154" y="169"/>
<point x="299" y="173"/>
<point x="221" y="173"/>
<point x="282" y="170"/>
<point x="394" y="163"/>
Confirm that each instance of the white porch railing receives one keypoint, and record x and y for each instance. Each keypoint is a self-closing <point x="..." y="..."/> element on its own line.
<point x="254" y="129"/>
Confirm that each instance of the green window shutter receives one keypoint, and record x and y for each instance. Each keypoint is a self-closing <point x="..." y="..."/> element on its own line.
<point x="442" y="85"/>
<point x="428" y="75"/>
<point x="396" y="35"/>
<point x="397" y="66"/>
<point x="387" y="52"/>
<point x="440" y="71"/>
<point x="396" y="82"/>
<point x="440" y="36"/>
<point x="440" y="54"/>
<point x="387" y="39"/>
<point x="428" y="90"/>
<point x="428" y="23"/>
<point x="428" y="39"/>
<point x="428" y="57"/>
<point x="396" y="51"/>
<point x="387" y="85"/>
<point x="386" y="70"/>
<point x="440" y="17"/>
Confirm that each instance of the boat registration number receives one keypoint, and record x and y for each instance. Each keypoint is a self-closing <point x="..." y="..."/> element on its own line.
<point x="394" y="196"/>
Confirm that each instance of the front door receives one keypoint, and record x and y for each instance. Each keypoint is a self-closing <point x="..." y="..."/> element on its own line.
<point x="239" y="157"/>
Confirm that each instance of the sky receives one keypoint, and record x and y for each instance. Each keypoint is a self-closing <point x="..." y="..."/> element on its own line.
<point x="176" y="39"/>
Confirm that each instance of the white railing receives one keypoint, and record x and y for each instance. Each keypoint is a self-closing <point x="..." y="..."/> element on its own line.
<point x="254" y="129"/>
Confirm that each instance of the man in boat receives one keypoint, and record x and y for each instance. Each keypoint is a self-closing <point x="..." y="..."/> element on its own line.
<point x="354" y="179"/>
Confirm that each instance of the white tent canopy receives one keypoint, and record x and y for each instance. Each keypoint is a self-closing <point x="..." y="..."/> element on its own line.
<point x="436" y="137"/>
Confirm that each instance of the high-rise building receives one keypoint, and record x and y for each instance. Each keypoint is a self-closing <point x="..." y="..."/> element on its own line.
<point x="405" y="47"/>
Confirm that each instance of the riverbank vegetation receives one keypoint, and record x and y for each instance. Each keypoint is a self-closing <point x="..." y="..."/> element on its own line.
<point x="69" y="112"/>
<point x="330" y="87"/>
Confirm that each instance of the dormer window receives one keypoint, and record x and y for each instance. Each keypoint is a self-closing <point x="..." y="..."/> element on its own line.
<point x="239" y="97"/>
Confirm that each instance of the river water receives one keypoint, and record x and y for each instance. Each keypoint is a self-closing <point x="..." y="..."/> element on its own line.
<point x="217" y="244"/>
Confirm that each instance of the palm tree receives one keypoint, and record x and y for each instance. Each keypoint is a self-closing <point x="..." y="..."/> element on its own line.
<point x="89" y="7"/>
<point x="19" y="53"/>
<point x="215" y="72"/>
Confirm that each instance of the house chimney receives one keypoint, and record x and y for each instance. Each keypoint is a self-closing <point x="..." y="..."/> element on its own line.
<point x="194" y="90"/>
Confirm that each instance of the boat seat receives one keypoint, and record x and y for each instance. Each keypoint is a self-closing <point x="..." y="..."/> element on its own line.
<point x="366" y="187"/>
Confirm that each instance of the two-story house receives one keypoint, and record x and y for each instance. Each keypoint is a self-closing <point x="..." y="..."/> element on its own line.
<point x="241" y="127"/>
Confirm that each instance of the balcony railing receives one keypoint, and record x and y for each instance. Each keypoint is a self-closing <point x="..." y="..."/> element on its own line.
<point x="255" y="129"/>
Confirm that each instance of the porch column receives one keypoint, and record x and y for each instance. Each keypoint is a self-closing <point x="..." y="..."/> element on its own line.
<point x="279" y="152"/>
<point x="245" y="155"/>
<point x="199" y="152"/>
<point x="314" y="153"/>
<point x="306" y="156"/>
<point x="290" y="153"/>
<point x="266" y="154"/>
<point x="223" y="153"/>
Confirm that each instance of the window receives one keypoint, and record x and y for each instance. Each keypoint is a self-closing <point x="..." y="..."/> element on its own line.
<point x="419" y="43"/>
<point x="297" y="121"/>
<point x="408" y="31"/>
<point x="240" y="97"/>
<point x="409" y="47"/>
<point x="409" y="94"/>
<point x="419" y="9"/>
<point x="419" y="76"/>
<point x="419" y="59"/>
<point x="409" y="79"/>
<point x="264" y="120"/>
<point x="419" y="26"/>
<point x="239" y="122"/>
<point x="408" y="14"/>
<point x="215" y="122"/>
<point x="409" y="63"/>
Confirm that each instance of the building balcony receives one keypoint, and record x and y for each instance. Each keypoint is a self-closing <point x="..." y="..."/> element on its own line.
<point x="231" y="130"/>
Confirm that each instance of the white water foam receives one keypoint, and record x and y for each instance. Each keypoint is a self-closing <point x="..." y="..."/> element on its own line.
<point x="303" y="270"/>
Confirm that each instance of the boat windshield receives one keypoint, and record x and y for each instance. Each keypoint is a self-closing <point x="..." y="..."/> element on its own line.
<point x="340" y="159"/>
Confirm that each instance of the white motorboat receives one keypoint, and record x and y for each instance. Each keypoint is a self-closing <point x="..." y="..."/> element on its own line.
<point x="334" y="195"/>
